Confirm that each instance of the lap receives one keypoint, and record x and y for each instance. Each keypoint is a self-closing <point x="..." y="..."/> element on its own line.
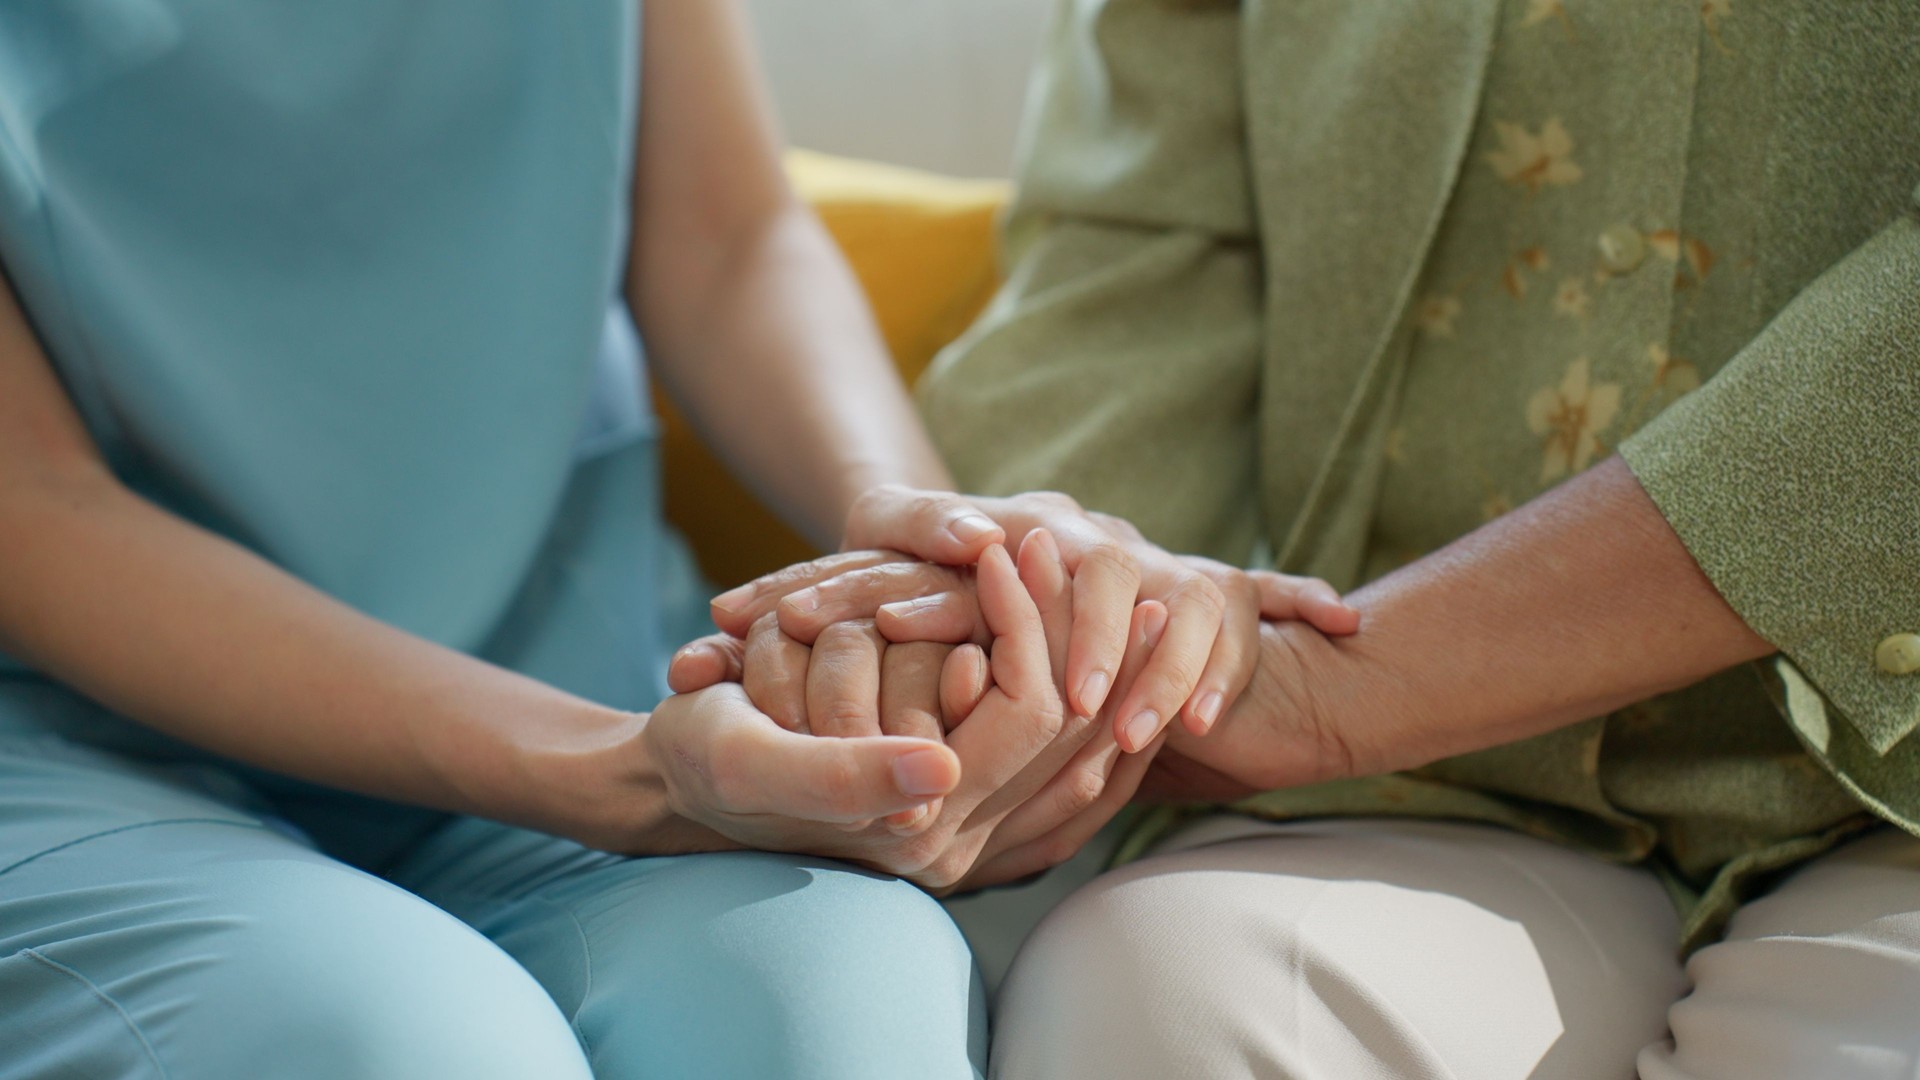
<point x="150" y="927"/>
<point x="1341" y="949"/>
<point x="158" y="921"/>
<point x="730" y="964"/>
<point x="1412" y="949"/>
<point x="1819" y="977"/>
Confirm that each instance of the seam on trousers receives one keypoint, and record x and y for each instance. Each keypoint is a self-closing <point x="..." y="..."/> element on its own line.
<point x="501" y="904"/>
<point x="77" y="841"/>
<point x="106" y="999"/>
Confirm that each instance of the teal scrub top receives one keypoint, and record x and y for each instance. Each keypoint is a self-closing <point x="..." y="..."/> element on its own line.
<point x="341" y="282"/>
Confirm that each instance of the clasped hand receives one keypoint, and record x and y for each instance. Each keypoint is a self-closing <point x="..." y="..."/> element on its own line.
<point x="960" y="725"/>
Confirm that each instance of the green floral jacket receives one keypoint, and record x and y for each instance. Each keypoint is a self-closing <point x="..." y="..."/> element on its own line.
<point x="1331" y="282"/>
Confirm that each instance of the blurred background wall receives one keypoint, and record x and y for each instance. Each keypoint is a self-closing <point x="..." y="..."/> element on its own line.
<point x="935" y="84"/>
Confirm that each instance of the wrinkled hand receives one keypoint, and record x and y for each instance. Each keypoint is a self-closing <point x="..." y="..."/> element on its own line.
<point x="1318" y="709"/>
<point x="1201" y="668"/>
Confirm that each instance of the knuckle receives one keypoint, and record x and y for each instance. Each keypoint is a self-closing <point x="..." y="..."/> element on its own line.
<point x="941" y="873"/>
<point x="1081" y="791"/>
<point x="841" y="635"/>
<point x="838" y="781"/>
<point x="870" y="500"/>
<point x="1200" y="595"/>
<point x="1179" y="675"/>
<point x="1109" y="559"/>
<point x="1050" y="725"/>
<point x="918" y="851"/>
<point x="843" y="716"/>
<point x="1069" y="726"/>
<point x="931" y="505"/>
<point x="1059" y="500"/>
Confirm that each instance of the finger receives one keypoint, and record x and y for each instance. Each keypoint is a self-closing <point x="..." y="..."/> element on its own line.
<point x="910" y="690"/>
<point x="1075" y="787"/>
<point x="1311" y="600"/>
<point x="1106" y="582"/>
<point x="1236" y="652"/>
<point x="1018" y="661"/>
<point x="735" y="610"/>
<point x="843" y="681"/>
<point x="1194" y="614"/>
<point x="1052" y="849"/>
<point x="1000" y="784"/>
<point x="1020" y="729"/>
<point x="859" y="594"/>
<point x="760" y="768"/>
<point x="910" y="707"/>
<point x="938" y="526"/>
<point x="703" y="662"/>
<point x="963" y="682"/>
<point x="951" y="617"/>
<point x="774" y="673"/>
<point x="1045" y="576"/>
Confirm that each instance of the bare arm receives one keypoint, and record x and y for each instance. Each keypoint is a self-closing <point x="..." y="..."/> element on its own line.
<point x="192" y="635"/>
<point x="200" y="638"/>
<point x="751" y="317"/>
<point x="1577" y="604"/>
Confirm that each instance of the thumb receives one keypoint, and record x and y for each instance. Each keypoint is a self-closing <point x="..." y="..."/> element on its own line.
<point x="706" y="661"/>
<point x="843" y="780"/>
<point x="938" y="526"/>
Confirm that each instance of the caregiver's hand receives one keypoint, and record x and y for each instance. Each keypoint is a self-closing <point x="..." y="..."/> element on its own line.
<point x="1201" y="668"/>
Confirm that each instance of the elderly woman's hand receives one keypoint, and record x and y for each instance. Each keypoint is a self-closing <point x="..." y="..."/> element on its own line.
<point x="1201" y="668"/>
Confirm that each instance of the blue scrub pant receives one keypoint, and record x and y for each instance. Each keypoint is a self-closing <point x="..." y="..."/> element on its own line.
<point x="167" y="921"/>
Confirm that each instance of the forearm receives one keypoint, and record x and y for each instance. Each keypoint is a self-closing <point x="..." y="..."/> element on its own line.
<point x="197" y="637"/>
<point x="1577" y="604"/>
<point x="778" y="364"/>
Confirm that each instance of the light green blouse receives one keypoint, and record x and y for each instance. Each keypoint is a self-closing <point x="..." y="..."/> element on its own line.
<point x="1335" y="284"/>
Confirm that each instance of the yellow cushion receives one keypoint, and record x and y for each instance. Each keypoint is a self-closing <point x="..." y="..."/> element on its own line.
<point x="923" y="248"/>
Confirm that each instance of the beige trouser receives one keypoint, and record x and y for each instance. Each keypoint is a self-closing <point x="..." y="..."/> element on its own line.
<point x="1352" y="950"/>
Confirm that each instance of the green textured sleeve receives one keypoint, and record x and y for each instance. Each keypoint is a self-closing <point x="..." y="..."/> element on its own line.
<point x="1121" y="361"/>
<point x="1793" y="477"/>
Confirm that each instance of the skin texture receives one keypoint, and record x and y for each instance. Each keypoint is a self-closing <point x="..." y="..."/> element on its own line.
<point x="1202" y="667"/>
<point x="1579" y="603"/>
<point x="1034" y="781"/>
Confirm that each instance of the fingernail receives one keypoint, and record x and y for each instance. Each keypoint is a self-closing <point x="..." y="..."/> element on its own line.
<point x="805" y="601"/>
<point x="733" y="599"/>
<point x="904" y="609"/>
<point x="1093" y="692"/>
<point x="922" y="772"/>
<point x="1154" y="626"/>
<point x="1207" y="709"/>
<point x="1142" y="728"/>
<point x="971" y="527"/>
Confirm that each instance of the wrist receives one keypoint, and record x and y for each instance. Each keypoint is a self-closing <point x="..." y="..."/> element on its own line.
<point x="586" y="772"/>
<point x="1316" y="710"/>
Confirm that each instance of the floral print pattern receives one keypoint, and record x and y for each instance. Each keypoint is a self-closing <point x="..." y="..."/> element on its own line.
<point x="1569" y="419"/>
<point x="1533" y="161"/>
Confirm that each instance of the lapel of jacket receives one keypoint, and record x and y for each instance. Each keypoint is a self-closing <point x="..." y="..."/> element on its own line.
<point x="1358" y="113"/>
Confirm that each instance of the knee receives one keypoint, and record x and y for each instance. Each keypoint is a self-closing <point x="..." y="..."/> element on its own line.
<point x="347" y="976"/>
<point x="1123" y="974"/>
<point x="835" y="971"/>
